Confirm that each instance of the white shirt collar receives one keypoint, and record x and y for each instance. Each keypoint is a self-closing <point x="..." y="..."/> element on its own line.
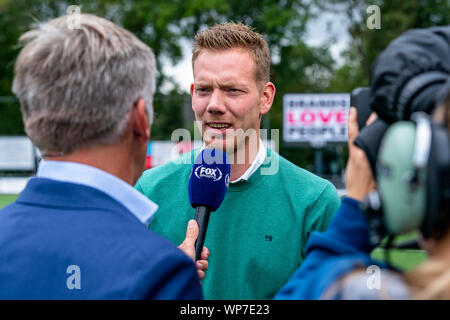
<point x="73" y="172"/>
<point x="259" y="159"/>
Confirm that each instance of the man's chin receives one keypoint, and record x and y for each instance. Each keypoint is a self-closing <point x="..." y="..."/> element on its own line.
<point x="223" y="145"/>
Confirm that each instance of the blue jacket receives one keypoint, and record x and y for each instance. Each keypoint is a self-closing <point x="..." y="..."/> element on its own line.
<point x="331" y="254"/>
<point x="68" y="241"/>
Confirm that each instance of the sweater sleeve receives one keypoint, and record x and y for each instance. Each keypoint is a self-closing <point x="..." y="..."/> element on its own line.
<point x="321" y="213"/>
<point x="331" y="254"/>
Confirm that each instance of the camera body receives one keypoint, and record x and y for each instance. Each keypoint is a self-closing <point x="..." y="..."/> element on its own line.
<point x="408" y="153"/>
<point x="410" y="160"/>
<point x="360" y="99"/>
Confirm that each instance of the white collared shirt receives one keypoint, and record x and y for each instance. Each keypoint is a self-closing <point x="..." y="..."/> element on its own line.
<point x="73" y="172"/>
<point x="257" y="162"/>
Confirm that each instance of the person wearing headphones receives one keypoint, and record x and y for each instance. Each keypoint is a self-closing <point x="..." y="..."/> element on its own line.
<point x="413" y="183"/>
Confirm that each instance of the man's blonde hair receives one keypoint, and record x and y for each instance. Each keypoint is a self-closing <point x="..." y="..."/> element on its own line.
<point x="77" y="86"/>
<point x="236" y="35"/>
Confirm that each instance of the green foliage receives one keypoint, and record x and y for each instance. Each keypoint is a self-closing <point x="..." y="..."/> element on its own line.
<point x="366" y="44"/>
<point x="10" y="117"/>
<point x="168" y="110"/>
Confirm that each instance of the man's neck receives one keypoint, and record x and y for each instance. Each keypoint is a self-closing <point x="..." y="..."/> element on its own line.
<point x="110" y="159"/>
<point x="240" y="164"/>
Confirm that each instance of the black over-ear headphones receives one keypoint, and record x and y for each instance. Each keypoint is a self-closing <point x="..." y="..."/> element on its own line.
<point x="413" y="178"/>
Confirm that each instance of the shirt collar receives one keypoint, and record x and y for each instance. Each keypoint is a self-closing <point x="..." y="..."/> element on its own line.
<point x="73" y="172"/>
<point x="259" y="159"/>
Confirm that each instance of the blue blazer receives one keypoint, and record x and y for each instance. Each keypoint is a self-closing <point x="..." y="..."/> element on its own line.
<point x="63" y="240"/>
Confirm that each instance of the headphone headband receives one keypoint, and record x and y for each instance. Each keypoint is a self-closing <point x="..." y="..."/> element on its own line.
<point x="414" y="87"/>
<point x="423" y="139"/>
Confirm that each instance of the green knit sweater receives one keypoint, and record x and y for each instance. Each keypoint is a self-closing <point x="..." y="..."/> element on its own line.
<point x="257" y="236"/>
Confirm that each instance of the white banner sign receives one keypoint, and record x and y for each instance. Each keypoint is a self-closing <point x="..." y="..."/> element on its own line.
<point x="16" y="153"/>
<point x="315" y="118"/>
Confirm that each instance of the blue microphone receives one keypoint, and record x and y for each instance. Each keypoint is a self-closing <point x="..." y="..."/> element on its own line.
<point x="207" y="187"/>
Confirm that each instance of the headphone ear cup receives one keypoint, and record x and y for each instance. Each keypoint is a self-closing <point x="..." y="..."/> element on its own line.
<point x="403" y="202"/>
<point x="436" y="221"/>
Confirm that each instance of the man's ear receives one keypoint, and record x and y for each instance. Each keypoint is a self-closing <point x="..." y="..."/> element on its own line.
<point x="191" y="90"/>
<point x="267" y="96"/>
<point x="141" y="126"/>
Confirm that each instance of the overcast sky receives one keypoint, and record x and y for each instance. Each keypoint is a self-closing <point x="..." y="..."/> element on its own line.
<point x="320" y="30"/>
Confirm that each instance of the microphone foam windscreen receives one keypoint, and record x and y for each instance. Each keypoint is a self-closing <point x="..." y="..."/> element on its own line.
<point x="209" y="179"/>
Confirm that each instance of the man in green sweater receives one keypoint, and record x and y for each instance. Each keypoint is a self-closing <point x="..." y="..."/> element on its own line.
<point x="257" y="236"/>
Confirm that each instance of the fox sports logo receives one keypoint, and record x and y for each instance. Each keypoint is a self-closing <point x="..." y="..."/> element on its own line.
<point x="227" y="180"/>
<point x="208" y="173"/>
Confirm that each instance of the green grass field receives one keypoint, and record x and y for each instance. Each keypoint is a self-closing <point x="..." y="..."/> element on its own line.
<point x="402" y="259"/>
<point x="6" y="199"/>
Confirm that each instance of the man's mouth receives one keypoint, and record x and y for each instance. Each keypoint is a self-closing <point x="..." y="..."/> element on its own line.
<point x="219" y="125"/>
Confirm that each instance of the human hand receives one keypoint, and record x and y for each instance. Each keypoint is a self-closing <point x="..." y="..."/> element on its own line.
<point x="188" y="247"/>
<point x="358" y="175"/>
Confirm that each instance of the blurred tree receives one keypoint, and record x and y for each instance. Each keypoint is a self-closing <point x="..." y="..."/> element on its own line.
<point x="162" y="25"/>
<point x="366" y="44"/>
<point x="10" y="118"/>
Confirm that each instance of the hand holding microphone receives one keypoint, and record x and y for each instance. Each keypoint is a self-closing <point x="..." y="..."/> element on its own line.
<point x="188" y="247"/>
<point x="207" y="187"/>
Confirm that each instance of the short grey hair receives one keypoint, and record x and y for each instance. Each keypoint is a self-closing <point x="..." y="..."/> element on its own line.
<point x="77" y="86"/>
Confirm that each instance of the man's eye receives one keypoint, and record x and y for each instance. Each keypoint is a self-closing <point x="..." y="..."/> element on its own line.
<point x="202" y="90"/>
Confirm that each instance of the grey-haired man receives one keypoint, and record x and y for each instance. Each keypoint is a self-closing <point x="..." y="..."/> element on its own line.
<point x="78" y="230"/>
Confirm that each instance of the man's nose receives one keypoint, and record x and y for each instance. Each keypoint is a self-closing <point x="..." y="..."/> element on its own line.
<point x="216" y="102"/>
